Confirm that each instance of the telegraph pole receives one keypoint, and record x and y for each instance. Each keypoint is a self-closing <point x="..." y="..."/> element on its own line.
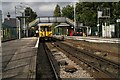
<point x="74" y="17"/>
<point x="0" y="45"/>
<point x="118" y="29"/>
<point x="19" y="8"/>
<point x="99" y="13"/>
<point x="0" y="25"/>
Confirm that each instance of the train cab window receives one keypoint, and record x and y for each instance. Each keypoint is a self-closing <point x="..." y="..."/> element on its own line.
<point x="45" y="28"/>
<point x="41" y="28"/>
<point x="49" y="28"/>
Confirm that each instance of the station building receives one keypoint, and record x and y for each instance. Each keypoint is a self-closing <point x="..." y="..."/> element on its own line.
<point x="9" y="29"/>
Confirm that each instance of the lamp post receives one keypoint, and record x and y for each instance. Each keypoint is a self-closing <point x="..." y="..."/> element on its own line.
<point x="118" y="29"/>
<point x="0" y="44"/>
<point x="17" y="24"/>
<point x="99" y="13"/>
<point x="74" y="17"/>
<point x="24" y="26"/>
<point x="0" y="25"/>
<point x="19" y="29"/>
<point x="20" y="8"/>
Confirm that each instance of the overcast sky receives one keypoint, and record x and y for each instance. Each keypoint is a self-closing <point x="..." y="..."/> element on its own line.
<point x="41" y="8"/>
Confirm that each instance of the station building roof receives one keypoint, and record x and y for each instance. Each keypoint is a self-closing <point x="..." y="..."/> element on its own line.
<point x="40" y="24"/>
<point x="62" y="25"/>
<point x="83" y="26"/>
<point x="9" y="22"/>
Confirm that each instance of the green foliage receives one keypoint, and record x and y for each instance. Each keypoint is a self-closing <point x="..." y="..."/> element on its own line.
<point x="86" y="12"/>
<point x="68" y="12"/>
<point x="57" y="11"/>
<point x="32" y="15"/>
<point x="115" y="11"/>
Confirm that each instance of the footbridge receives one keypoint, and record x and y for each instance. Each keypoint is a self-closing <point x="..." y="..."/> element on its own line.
<point x="51" y="19"/>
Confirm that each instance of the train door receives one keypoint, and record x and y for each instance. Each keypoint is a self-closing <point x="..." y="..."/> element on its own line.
<point x="45" y="31"/>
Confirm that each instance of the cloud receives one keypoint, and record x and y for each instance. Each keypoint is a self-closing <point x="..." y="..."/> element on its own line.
<point x="60" y="0"/>
<point x="0" y="5"/>
<point x="47" y="7"/>
<point x="40" y="0"/>
<point x="8" y="7"/>
<point x="41" y="8"/>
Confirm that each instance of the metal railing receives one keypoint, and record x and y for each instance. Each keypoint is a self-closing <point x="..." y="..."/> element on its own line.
<point x="51" y="19"/>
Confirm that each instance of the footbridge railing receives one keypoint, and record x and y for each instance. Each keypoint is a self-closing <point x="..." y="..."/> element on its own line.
<point x="51" y="19"/>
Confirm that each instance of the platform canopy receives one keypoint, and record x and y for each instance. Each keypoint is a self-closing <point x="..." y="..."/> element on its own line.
<point x="50" y="24"/>
<point x="62" y="25"/>
<point x="52" y="19"/>
<point x="83" y="27"/>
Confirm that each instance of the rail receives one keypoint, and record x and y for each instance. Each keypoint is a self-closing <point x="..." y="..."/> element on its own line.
<point x="97" y="63"/>
<point x="46" y="67"/>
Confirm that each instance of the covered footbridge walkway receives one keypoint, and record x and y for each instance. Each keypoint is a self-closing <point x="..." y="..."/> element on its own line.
<point x="51" y="19"/>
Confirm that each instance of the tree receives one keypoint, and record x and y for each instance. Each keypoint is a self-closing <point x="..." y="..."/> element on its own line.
<point x="86" y="13"/>
<point x="57" y="11"/>
<point x="68" y="11"/>
<point x="116" y="11"/>
<point x="31" y="14"/>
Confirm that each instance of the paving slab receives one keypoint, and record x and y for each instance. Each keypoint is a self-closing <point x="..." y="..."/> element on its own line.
<point x="19" y="58"/>
<point x="92" y="39"/>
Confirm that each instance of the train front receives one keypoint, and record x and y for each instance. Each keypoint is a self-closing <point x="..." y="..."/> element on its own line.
<point x="45" y="32"/>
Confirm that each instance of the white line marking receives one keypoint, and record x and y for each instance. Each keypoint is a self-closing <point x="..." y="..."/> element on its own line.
<point x="37" y="43"/>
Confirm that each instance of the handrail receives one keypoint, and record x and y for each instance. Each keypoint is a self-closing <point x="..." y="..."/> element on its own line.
<point x="51" y="19"/>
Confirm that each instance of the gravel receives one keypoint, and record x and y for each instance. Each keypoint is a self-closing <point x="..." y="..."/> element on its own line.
<point x="78" y="73"/>
<point x="105" y="50"/>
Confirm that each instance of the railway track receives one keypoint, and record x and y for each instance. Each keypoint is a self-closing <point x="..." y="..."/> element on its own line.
<point x="99" y="67"/>
<point x="46" y="66"/>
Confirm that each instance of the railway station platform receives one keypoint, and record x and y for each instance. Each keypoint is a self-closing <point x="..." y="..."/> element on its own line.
<point x="19" y="58"/>
<point x="92" y="39"/>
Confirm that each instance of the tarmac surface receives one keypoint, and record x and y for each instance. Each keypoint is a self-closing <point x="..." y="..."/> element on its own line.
<point x="19" y="58"/>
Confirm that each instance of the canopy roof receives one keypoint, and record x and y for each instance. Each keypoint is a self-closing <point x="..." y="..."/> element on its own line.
<point x="41" y="24"/>
<point x="62" y="25"/>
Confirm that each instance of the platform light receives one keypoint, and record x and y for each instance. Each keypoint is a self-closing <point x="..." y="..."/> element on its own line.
<point x="118" y="20"/>
<point x="98" y="24"/>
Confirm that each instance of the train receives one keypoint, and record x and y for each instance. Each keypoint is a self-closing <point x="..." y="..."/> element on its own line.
<point x="78" y="32"/>
<point x="45" y="32"/>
